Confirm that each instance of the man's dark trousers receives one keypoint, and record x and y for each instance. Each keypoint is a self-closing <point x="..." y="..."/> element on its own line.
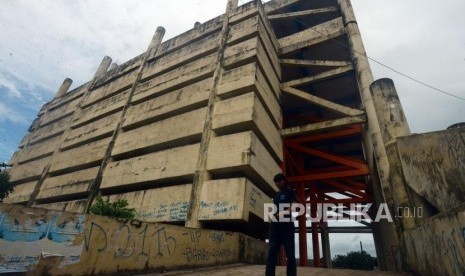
<point x="281" y="233"/>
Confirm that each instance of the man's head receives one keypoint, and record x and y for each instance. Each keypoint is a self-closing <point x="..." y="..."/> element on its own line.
<point x="280" y="181"/>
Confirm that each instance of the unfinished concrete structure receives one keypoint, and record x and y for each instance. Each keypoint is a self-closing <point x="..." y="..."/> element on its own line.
<point x="192" y="131"/>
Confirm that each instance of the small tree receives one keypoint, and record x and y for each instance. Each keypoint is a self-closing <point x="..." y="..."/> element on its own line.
<point x="116" y="209"/>
<point x="6" y="187"/>
<point x="355" y="260"/>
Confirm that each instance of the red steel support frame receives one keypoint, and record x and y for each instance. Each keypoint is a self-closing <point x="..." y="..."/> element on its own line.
<point x="313" y="184"/>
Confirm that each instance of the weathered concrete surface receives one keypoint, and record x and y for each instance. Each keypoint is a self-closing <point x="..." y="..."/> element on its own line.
<point x="58" y="243"/>
<point x="60" y="112"/>
<point x="438" y="246"/>
<point x="67" y="184"/>
<point x="38" y="150"/>
<point x="247" y="113"/>
<point x="163" y="165"/>
<point x="179" y="130"/>
<point x="259" y="270"/>
<point x="29" y="171"/>
<point x="76" y="158"/>
<point x="22" y="193"/>
<point x="50" y="130"/>
<point x="73" y="206"/>
<point x="165" y="204"/>
<point x="248" y="78"/>
<point x="87" y="133"/>
<point x="434" y="166"/>
<point x="101" y="109"/>
<point x="243" y="198"/>
<point x="245" y="154"/>
<point x="117" y="85"/>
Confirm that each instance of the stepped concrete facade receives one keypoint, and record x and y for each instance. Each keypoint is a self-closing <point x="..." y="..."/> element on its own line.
<point x="192" y="131"/>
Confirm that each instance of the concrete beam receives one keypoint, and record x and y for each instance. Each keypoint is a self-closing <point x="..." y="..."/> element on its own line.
<point x="245" y="154"/>
<point x="171" y="132"/>
<point x="243" y="198"/>
<point x="291" y="15"/>
<point x="158" y="167"/>
<point x="72" y="206"/>
<point x="63" y="186"/>
<point x="248" y="78"/>
<point x="176" y="102"/>
<point x="165" y="204"/>
<point x="60" y="112"/>
<point x="49" y="131"/>
<point x="116" y="86"/>
<point x="309" y="63"/>
<point x="311" y="36"/>
<point x="29" y="171"/>
<point x="21" y="193"/>
<point x="38" y="150"/>
<point x="344" y="110"/>
<point x="305" y="129"/>
<point x="101" y="109"/>
<point x="247" y="113"/>
<point x="91" y="132"/>
<point x="330" y="74"/>
<point x="76" y="158"/>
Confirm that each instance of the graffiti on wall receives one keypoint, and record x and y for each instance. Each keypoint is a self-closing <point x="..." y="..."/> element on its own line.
<point x="23" y="243"/>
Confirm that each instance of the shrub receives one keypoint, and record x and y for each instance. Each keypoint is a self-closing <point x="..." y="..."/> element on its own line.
<point x="116" y="209"/>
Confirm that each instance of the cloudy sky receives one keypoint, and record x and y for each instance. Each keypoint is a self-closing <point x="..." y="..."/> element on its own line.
<point x="44" y="41"/>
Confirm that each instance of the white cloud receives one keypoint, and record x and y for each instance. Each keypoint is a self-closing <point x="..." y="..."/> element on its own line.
<point x="8" y="114"/>
<point x="10" y="87"/>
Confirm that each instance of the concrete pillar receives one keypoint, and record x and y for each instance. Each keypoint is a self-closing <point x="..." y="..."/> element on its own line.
<point x="103" y="67"/>
<point x="196" y="24"/>
<point x="113" y="66"/>
<point x="201" y="174"/>
<point x="64" y="88"/>
<point x="156" y="39"/>
<point x="326" y="245"/>
<point x="393" y="124"/>
<point x="94" y="187"/>
<point x="374" y="145"/>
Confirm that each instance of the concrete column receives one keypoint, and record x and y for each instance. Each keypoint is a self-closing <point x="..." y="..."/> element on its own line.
<point x="201" y="174"/>
<point x="103" y="67"/>
<point x="94" y="187"/>
<point x="196" y="24"/>
<point x="64" y="88"/>
<point x="156" y="39"/>
<point x="326" y="245"/>
<point x="113" y="66"/>
<point x="393" y="124"/>
<point x="374" y="145"/>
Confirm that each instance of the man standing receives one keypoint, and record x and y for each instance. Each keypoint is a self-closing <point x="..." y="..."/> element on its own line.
<point x="282" y="232"/>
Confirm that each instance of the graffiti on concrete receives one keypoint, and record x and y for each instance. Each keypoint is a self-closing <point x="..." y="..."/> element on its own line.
<point x="23" y="243"/>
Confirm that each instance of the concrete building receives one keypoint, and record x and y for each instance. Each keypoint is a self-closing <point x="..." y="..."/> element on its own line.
<point x="192" y="131"/>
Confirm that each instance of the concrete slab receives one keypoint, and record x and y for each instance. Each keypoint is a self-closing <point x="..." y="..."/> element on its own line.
<point x="259" y="270"/>
<point x="188" y="53"/>
<point x="101" y="109"/>
<point x="39" y="150"/>
<point x="242" y="197"/>
<point x="21" y="193"/>
<point x="248" y="78"/>
<point x="176" y="102"/>
<point x="165" y="204"/>
<point x="121" y="83"/>
<point x="245" y="154"/>
<point x="159" y="167"/>
<point x="246" y="112"/>
<point x="117" y="72"/>
<point x="60" y="112"/>
<point x="175" y="131"/>
<point x="80" y="157"/>
<point x="50" y="130"/>
<point x="66" y="98"/>
<point x="68" y="184"/>
<point x="103" y="127"/>
<point x="29" y="171"/>
<point x="72" y="206"/>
